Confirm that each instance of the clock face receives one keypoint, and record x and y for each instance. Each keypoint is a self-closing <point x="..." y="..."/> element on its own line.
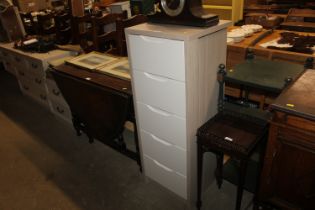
<point x="172" y="7"/>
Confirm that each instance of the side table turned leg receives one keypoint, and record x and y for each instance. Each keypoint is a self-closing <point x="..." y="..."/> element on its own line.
<point x="218" y="170"/>
<point x="199" y="174"/>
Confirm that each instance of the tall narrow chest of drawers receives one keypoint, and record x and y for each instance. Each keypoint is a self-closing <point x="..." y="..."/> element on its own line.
<point x="175" y="91"/>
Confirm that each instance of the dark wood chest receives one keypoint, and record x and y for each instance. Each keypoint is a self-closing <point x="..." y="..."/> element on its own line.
<point x="288" y="176"/>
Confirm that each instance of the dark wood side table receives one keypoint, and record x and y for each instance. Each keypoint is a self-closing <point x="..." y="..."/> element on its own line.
<point x="100" y="105"/>
<point x="269" y="77"/>
<point x="288" y="176"/>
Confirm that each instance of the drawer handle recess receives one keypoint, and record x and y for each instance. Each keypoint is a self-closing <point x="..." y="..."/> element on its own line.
<point x="158" y="111"/>
<point x="55" y="92"/>
<point x="163" y="166"/>
<point x="21" y="73"/>
<point x="156" y="78"/>
<point x="152" y="40"/>
<point x="25" y="87"/>
<point x="160" y="140"/>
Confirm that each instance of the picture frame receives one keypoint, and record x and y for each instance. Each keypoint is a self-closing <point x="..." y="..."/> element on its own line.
<point x="92" y="60"/>
<point x="120" y="69"/>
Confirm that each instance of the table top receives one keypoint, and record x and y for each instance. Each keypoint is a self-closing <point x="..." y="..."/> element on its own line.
<point x="299" y="98"/>
<point x="100" y="79"/>
<point x="264" y="74"/>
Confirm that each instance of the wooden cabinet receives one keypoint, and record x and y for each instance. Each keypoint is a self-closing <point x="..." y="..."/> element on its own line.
<point x="226" y="9"/>
<point x="175" y="91"/>
<point x="288" y="177"/>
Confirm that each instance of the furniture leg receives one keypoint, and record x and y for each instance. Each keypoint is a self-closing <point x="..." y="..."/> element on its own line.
<point x="218" y="170"/>
<point x="242" y="174"/>
<point x="199" y="174"/>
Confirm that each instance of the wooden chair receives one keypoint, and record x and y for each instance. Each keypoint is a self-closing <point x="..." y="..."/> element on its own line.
<point x="235" y="131"/>
<point x="82" y="32"/>
<point x="46" y="24"/>
<point x="63" y="27"/>
<point x="29" y="25"/>
<point x="125" y="23"/>
<point x="104" y="32"/>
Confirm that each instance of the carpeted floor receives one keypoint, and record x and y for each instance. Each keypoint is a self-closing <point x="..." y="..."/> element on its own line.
<point x="44" y="165"/>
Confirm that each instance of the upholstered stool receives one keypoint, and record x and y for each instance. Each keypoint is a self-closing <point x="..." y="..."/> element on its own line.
<point x="234" y="131"/>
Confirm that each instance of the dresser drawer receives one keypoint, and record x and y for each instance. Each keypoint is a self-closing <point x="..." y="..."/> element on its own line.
<point x="168" y="154"/>
<point x="35" y="67"/>
<point x="54" y="92"/>
<point x="151" y="54"/>
<point x="61" y="110"/>
<point x="30" y="89"/>
<point x="36" y="83"/>
<point x="162" y="124"/>
<point x="9" y="67"/>
<point x="164" y="93"/>
<point x="18" y="61"/>
<point x="165" y="176"/>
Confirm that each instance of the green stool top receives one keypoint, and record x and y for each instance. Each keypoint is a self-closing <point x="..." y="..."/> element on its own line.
<point x="264" y="74"/>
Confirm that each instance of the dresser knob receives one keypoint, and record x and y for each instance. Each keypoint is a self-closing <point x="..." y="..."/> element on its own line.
<point x="56" y="92"/>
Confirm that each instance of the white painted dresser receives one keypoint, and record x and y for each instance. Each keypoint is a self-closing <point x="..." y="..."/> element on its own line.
<point x="30" y="71"/>
<point x="174" y="80"/>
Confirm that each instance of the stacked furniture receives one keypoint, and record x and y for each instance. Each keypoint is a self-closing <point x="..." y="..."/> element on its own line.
<point x="175" y="91"/>
<point x="30" y="71"/>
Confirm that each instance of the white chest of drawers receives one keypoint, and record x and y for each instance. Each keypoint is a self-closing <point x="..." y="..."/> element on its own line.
<point x="30" y="71"/>
<point x="175" y="91"/>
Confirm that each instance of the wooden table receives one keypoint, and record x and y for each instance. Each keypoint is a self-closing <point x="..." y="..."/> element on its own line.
<point x="100" y="105"/>
<point x="236" y="54"/>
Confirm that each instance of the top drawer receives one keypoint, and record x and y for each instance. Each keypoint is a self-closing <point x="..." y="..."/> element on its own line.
<point x="158" y="56"/>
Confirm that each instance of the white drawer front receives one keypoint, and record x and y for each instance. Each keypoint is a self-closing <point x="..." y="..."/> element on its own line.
<point x="54" y="92"/>
<point x="162" y="124"/>
<point x="61" y="110"/>
<point x="165" y="176"/>
<point x="151" y="54"/>
<point x="161" y="92"/>
<point x="168" y="154"/>
<point x="39" y="94"/>
<point x="18" y="61"/>
<point x="9" y="67"/>
<point x="36" y="67"/>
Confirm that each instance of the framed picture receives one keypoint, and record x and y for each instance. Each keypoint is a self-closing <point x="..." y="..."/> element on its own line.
<point x="92" y="60"/>
<point x="118" y="69"/>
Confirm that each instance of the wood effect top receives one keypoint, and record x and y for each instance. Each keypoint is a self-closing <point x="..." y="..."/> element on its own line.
<point x="176" y="32"/>
<point x="299" y="98"/>
<point x="38" y="56"/>
<point x="95" y="78"/>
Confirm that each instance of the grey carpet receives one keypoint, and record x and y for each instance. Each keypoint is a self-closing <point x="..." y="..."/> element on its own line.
<point x="44" y="165"/>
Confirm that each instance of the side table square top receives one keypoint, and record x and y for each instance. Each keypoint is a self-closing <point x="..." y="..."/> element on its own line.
<point x="264" y="74"/>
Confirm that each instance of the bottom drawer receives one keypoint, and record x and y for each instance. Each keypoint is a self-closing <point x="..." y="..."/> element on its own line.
<point x="168" y="154"/>
<point x="61" y="110"/>
<point x="165" y="176"/>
